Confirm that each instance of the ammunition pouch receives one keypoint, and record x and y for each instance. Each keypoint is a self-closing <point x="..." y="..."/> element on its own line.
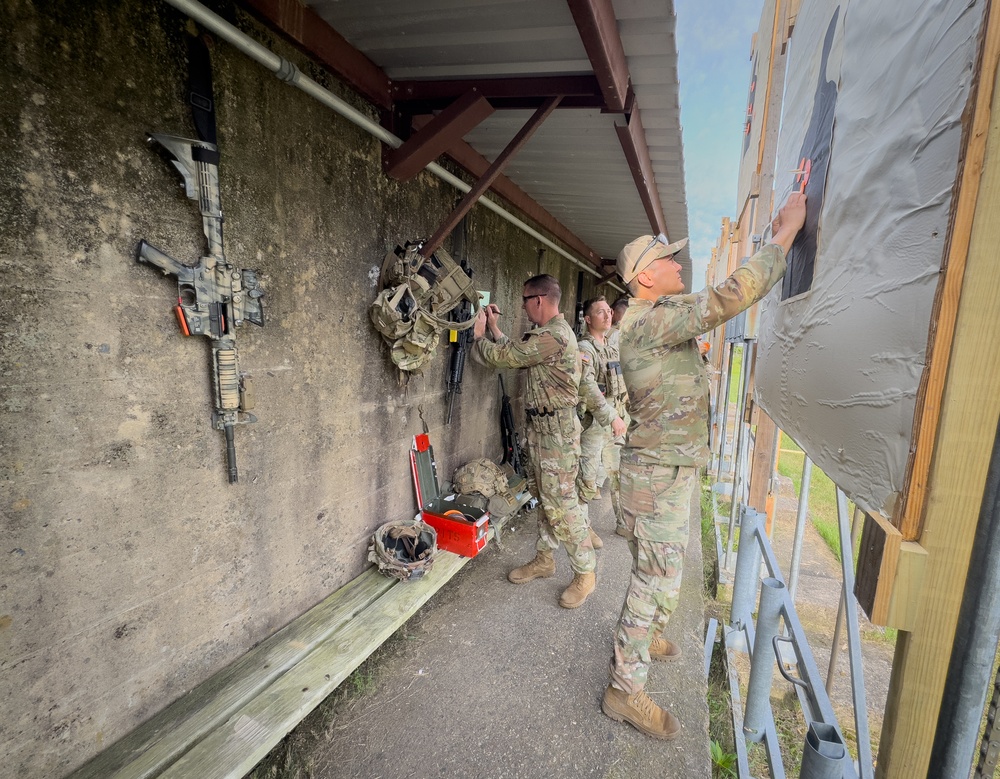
<point x="416" y="295"/>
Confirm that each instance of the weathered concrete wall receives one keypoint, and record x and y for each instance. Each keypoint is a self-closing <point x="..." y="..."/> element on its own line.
<point x="132" y="570"/>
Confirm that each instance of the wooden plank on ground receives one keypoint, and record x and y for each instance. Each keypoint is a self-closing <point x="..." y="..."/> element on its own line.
<point x="250" y="733"/>
<point x="147" y="750"/>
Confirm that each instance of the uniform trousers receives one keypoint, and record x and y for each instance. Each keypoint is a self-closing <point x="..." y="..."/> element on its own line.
<point x="553" y="452"/>
<point x="656" y="503"/>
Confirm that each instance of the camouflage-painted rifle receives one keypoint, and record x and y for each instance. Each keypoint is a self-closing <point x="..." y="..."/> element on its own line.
<point x="213" y="297"/>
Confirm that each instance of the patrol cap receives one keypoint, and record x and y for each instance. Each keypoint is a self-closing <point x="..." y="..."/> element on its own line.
<point x="643" y="251"/>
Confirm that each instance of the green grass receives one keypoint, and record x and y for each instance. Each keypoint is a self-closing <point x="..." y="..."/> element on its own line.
<point x="822" y="495"/>
<point x="720" y="717"/>
<point x="734" y="381"/>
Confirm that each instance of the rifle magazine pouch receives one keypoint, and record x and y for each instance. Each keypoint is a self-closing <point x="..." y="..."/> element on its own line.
<point x="417" y="347"/>
<point x="452" y="285"/>
<point x="390" y="312"/>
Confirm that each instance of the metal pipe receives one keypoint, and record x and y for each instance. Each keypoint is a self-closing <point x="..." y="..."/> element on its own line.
<point x="724" y="411"/>
<point x="800" y="527"/>
<point x="722" y="405"/>
<point x="968" y="680"/>
<point x="835" y="648"/>
<point x="757" y="711"/>
<point x="747" y="569"/>
<point x="848" y="540"/>
<point x="816" y="705"/>
<point x="738" y="469"/>
<point x="288" y="72"/>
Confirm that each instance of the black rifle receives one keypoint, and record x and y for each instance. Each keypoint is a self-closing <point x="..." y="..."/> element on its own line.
<point x="508" y="434"/>
<point x="461" y="339"/>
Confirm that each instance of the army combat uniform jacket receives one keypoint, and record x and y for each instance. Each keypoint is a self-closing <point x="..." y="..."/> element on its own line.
<point x="551" y="355"/>
<point x="601" y="371"/>
<point x="666" y="441"/>
<point x="664" y="373"/>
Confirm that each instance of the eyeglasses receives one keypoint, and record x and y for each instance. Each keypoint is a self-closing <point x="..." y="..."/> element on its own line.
<point x="661" y="238"/>
<point x="526" y="298"/>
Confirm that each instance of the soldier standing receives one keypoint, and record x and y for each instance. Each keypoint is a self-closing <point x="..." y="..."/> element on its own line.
<point x="550" y="354"/>
<point x="617" y="312"/>
<point x="667" y="441"/>
<point x="602" y="407"/>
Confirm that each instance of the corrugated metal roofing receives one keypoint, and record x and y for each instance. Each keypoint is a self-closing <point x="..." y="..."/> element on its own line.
<point x="574" y="165"/>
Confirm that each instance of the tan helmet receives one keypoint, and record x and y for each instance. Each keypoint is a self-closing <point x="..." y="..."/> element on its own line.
<point x="404" y="548"/>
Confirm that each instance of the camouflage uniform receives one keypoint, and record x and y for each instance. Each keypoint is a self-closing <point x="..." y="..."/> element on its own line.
<point x="602" y="399"/>
<point x="667" y="443"/>
<point x="551" y="356"/>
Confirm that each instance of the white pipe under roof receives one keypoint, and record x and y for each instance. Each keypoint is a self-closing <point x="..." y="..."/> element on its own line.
<point x="287" y="71"/>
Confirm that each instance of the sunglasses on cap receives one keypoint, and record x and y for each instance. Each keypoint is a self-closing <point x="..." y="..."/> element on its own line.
<point x="659" y="239"/>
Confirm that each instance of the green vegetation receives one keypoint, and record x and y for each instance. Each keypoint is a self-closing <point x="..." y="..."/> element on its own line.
<point x="822" y="494"/>
<point x="720" y="718"/>
<point x="723" y="762"/>
<point x="734" y="381"/>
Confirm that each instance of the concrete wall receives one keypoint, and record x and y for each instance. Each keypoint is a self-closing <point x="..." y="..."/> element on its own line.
<point x="132" y="570"/>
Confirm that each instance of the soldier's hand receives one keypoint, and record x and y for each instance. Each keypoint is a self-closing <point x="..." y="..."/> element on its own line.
<point x="479" y="328"/>
<point x="618" y="427"/>
<point x="492" y="313"/>
<point x="789" y="221"/>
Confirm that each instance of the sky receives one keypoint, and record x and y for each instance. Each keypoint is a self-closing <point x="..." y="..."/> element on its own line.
<point x="713" y="49"/>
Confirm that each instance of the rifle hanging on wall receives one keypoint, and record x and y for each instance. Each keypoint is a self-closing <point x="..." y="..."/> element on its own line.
<point x="213" y="296"/>
<point x="460" y="339"/>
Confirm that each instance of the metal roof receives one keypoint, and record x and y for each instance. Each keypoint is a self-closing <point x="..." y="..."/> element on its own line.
<point x="574" y="166"/>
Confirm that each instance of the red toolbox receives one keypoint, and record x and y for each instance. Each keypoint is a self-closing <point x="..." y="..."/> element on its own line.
<point x="461" y="527"/>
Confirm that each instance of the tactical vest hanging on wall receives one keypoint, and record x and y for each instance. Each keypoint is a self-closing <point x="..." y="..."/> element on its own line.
<point x="416" y="293"/>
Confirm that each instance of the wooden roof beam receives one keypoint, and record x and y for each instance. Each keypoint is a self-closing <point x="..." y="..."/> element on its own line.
<point x="422" y="97"/>
<point x="437" y="136"/>
<point x="633" y="141"/>
<point x="310" y="32"/>
<point x="487" y="179"/>
<point x="598" y="27"/>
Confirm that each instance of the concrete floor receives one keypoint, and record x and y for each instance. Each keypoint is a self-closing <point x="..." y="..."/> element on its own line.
<point x="496" y="681"/>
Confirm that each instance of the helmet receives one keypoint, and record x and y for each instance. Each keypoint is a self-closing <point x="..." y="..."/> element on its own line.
<point x="404" y="548"/>
<point x="482" y="476"/>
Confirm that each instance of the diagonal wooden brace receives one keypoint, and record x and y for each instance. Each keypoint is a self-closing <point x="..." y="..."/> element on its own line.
<point x="434" y="138"/>
<point x="467" y="202"/>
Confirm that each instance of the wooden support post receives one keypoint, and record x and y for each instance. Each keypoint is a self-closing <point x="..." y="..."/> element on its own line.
<point x="963" y="440"/>
<point x="467" y="202"/>
<point x="949" y="293"/>
<point x="765" y="452"/>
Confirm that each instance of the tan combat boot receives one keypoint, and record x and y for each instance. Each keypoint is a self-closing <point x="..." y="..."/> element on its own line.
<point x="582" y="585"/>
<point x="662" y="649"/>
<point x="542" y="567"/>
<point x="638" y="709"/>
<point x="595" y="539"/>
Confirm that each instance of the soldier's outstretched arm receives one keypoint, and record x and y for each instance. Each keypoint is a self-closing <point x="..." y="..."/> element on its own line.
<point x="675" y="319"/>
<point x="535" y="349"/>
